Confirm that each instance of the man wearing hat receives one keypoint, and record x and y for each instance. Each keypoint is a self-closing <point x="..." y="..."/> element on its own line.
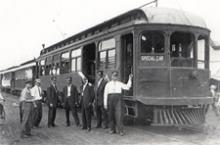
<point x="114" y="103"/>
<point x="27" y="110"/>
<point x="36" y="92"/>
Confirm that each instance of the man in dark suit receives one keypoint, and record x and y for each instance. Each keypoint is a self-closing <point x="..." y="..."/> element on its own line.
<point x="100" y="110"/>
<point x="52" y="98"/>
<point x="71" y="101"/>
<point x="88" y="95"/>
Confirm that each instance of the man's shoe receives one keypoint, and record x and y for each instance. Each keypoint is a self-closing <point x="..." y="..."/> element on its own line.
<point x="24" y="136"/>
<point x="84" y="128"/>
<point x="49" y="126"/>
<point x="67" y="124"/>
<point x="105" y="127"/>
<point x="29" y="134"/>
<point x="54" y="125"/>
<point x="122" y="133"/>
<point x="98" y="126"/>
<point x="111" y="132"/>
<point x="89" y="129"/>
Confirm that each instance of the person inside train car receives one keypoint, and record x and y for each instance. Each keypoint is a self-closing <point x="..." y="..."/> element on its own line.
<point x="71" y="101"/>
<point x="52" y="99"/>
<point x="87" y="98"/>
<point x="101" y="113"/>
<point x="36" y="92"/>
<point x="114" y="103"/>
<point x="28" y="104"/>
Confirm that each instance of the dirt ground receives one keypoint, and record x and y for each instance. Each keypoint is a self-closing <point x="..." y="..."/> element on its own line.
<point x="207" y="134"/>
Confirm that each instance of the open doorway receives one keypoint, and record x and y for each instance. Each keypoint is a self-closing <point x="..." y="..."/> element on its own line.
<point x="88" y="62"/>
<point x="127" y="59"/>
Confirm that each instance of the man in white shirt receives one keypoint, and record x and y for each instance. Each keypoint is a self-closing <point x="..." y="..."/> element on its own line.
<point x="114" y="103"/>
<point x="27" y="110"/>
<point x="36" y="92"/>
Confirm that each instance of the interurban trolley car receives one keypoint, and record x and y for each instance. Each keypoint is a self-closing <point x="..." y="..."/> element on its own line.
<point x="13" y="79"/>
<point x="166" y="50"/>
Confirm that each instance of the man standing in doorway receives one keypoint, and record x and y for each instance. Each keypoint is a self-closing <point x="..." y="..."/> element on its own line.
<point x="114" y="102"/>
<point x="27" y="110"/>
<point x="52" y="98"/>
<point x="99" y="99"/>
<point x="71" y="101"/>
<point x="36" y="92"/>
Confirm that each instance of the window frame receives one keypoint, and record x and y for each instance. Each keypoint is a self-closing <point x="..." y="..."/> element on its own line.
<point x="66" y="69"/>
<point x="76" y="58"/>
<point x="153" y="53"/>
<point x="106" y="50"/>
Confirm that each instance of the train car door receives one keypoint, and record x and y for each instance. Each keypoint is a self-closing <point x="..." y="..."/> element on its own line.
<point x="127" y="59"/>
<point x="88" y="62"/>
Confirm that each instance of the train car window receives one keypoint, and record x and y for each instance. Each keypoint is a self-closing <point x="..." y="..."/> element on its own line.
<point x="65" y="63"/>
<point x="201" y="52"/>
<point x="48" y="65"/>
<point x="182" y="49"/>
<point x="42" y="67"/>
<point x="76" y="60"/>
<point x="28" y="74"/>
<point x="102" y="59"/>
<point x="19" y="75"/>
<point x="78" y="64"/>
<point x="107" y="44"/>
<point x="111" y="58"/>
<point x="107" y="55"/>
<point x="56" y="64"/>
<point x="73" y="65"/>
<point x="152" y="42"/>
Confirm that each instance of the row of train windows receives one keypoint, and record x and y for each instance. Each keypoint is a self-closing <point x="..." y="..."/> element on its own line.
<point x="55" y="66"/>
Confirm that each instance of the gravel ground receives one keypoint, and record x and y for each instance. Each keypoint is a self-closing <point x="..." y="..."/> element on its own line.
<point x="207" y="134"/>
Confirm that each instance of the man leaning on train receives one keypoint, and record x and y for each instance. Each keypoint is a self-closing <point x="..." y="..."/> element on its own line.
<point x="113" y="101"/>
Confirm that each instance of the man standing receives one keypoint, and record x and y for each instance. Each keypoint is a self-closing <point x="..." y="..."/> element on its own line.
<point x="88" y="96"/>
<point x="36" y="92"/>
<point x="113" y="101"/>
<point x="27" y="110"/>
<point x="71" y="101"/>
<point x="52" y="98"/>
<point x="99" y="99"/>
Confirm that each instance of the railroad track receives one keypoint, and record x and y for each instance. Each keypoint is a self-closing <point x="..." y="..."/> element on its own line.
<point x="154" y="132"/>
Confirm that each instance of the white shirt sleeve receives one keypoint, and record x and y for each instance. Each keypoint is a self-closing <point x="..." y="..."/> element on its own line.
<point x="126" y="86"/>
<point x="106" y="95"/>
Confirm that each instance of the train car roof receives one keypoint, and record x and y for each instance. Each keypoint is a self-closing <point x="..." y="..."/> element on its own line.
<point x="144" y="15"/>
<point x="19" y="67"/>
<point x="172" y="16"/>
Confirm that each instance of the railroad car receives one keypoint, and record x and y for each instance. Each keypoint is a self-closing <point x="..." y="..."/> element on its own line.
<point x="167" y="51"/>
<point x="13" y="79"/>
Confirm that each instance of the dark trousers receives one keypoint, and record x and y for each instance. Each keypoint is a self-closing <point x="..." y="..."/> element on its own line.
<point x="51" y="115"/>
<point x="73" y="109"/>
<point x="27" y="112"/>
<point x="86" y="117"/>
<point x="37" y="116"/>
<point x="102" y="116"/>
<point x="115" y="112"/>
<point x="21" y="111"/>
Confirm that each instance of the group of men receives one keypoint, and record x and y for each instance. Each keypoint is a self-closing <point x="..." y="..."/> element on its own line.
<point x="104" y="95"/>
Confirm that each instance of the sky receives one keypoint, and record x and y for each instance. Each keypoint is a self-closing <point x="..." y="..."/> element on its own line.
<point x="27" y="24"/>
